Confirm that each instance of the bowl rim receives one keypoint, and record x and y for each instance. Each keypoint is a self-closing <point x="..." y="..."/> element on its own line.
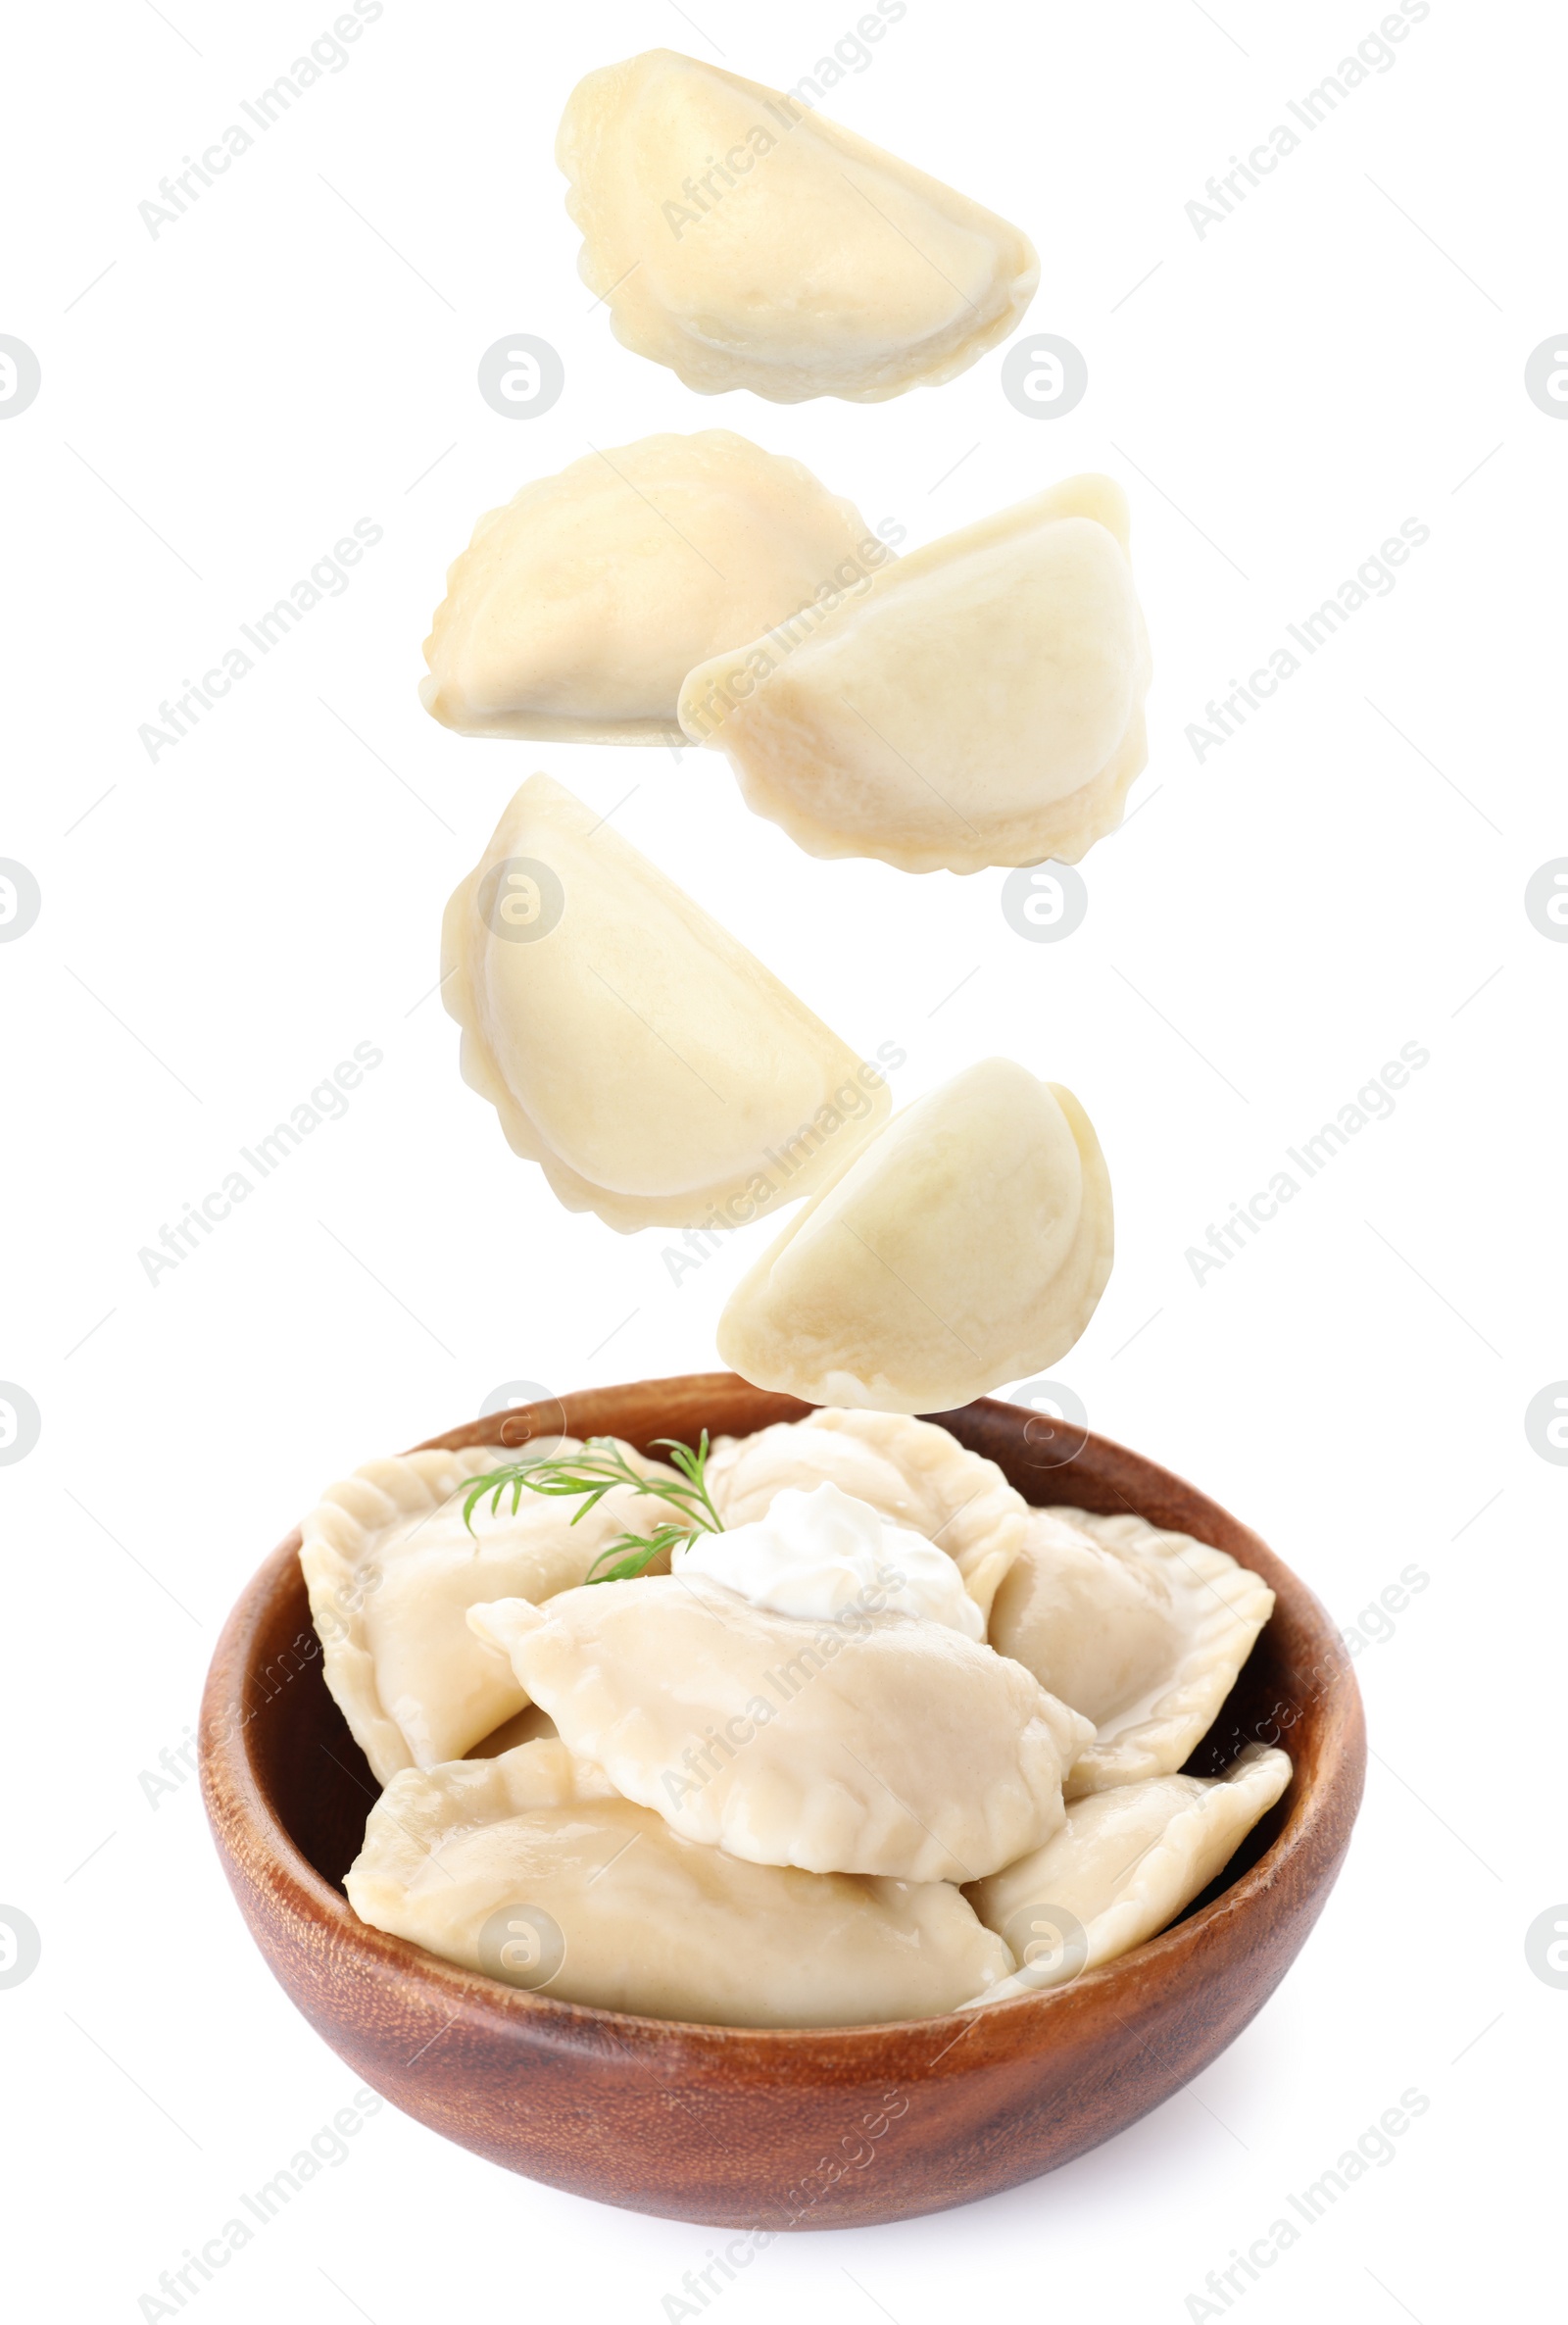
<point x="247" y="1826"/>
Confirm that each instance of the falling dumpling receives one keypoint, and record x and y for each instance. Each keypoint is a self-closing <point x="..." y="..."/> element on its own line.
<point x="966" y="1245"/>
<point x="978" y="703"/>
<point x="913" y="1472"/>
<point x="746" y="241"/>
<point x="873" y="1742"/>
<point x="392" y="1570"/>
<point x="576" y="611"/>
<point x="1123" y="1865"/>
<point x="1142" y="1631"/>
<point x="653" y="1068"/>
<point x="532" y="1868"/>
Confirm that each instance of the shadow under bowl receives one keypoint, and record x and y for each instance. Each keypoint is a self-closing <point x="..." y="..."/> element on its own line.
<point x="778" y="2129"/>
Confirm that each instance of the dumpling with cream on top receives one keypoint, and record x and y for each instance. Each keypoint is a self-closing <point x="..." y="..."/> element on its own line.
<point x="909" y="1471"/>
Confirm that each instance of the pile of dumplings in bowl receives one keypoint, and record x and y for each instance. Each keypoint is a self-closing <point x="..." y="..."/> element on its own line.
<point x="859" y="1737"/>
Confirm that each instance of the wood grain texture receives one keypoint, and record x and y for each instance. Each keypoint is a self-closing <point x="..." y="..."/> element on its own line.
<point x="759" y="2129"/>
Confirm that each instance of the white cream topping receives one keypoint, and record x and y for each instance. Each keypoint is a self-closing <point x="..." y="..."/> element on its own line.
<point x="819" y="1553"/>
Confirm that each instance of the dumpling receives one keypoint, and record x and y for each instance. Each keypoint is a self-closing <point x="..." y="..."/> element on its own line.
<point x="531" y="1869"/>
<point x="392" y="1570"/>
<point x="1142" y="1631"/>
<point x="874" y="1743"/>
<point x="652" y="1066"/>
<point x="576" y="611"/>
<point x="819" y="1553"/>
<point x="910" y="1471"/>
<point x="746" y="241"/>
<point x="1124" y="1864"/>
<point x="978" y="703"/>
<point x="966" y="1245"/>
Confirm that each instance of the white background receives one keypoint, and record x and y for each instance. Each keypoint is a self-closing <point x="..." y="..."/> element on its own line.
<point x="220" y="928"/>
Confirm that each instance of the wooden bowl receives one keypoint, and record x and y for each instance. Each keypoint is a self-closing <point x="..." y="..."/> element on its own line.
<point x="780" y="2129"/>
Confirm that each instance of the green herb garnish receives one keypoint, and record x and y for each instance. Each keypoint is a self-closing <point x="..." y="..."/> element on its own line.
<point x="598" y="1470"/>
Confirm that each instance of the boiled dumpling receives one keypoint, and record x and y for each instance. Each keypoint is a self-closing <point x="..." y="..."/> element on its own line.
<point x="576" y="611"/>
<point x="747" y="242"/>
<point x="874" y="1743"/>
<point x="392" y="1570"/>
<point x="978" y="703"/>
<point x="656" y="1071"/>
<point x="1142" y="1631"/>
<point x="911" y="1471"/>
<point x="819" y="1554"/>
<point x="1124" y="1864"/>
<point x="531" y="1869"/>
<point x="967" y="1245"/>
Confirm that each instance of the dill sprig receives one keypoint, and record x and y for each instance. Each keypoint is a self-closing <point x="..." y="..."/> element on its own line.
<point x="597" y="1470"/>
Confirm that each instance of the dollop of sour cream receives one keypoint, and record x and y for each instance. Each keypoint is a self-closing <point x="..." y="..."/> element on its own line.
<point x="819" y="1553"/>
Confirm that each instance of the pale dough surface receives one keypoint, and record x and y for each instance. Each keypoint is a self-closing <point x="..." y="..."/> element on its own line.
<point x="576" y="611"/>
<point x="748" y="243"/>
<point x="965" y="1245"/>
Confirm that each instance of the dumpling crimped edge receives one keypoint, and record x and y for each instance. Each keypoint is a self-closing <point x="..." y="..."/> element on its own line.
<point x="705" y="369"/>
<point x="1223" y="1814"/>
<point x="426" y="1802"/>
<point x="460" y="998"/>
<point x="334" y="1538"/>
<point x="523" y="726"/>
<point x="622" y="1737"/>
<point x="1228" y="1605"/>
<point x="986" y="1530"/>
<point x="1070" y="827"/>
<point x="1151" y="1896"/>
<point x="761" y="1353"/>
